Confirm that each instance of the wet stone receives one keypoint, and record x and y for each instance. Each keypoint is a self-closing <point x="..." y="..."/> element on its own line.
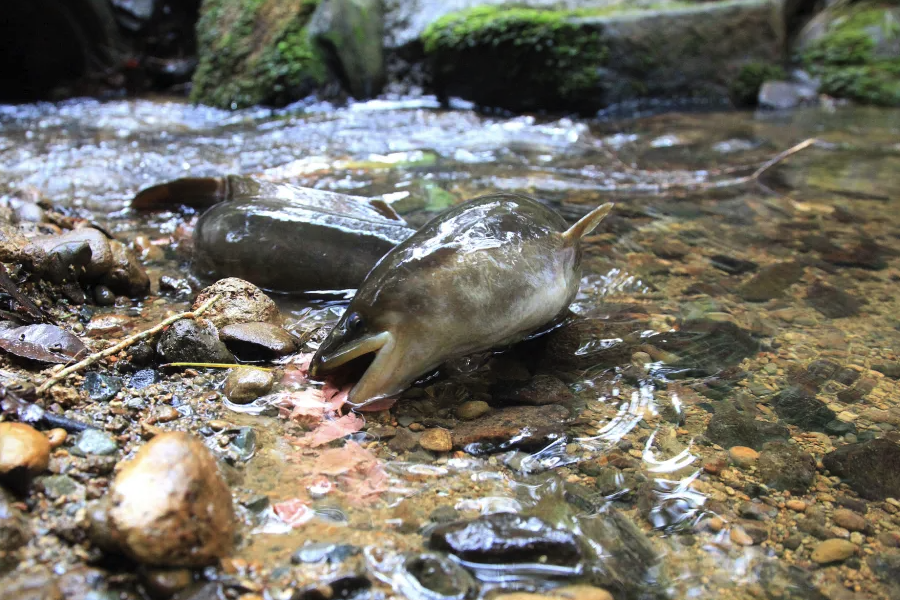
<point x="438" y="577"/>
<point x="729" y="428"/>
<point x="319" y="552"/>
<point x="871" y="468"/>
<point x="14" y="530"/>
<point x="444" y="514"/>
<point x="849" y="520"/>
<point x="39" y="585"/>
<point x="771" y="282"/>
<point x="94" y="441"/>
<point x="57" y="486"/>
<point x="833" y="550"/>
<point x="241" y="302"/>
<point x="797" y="406"/>
<point x="507" y="538"/>
<point x="436" y="440"/>
<point x="242" y="446"/>
<point x="257" y="341"/>
<point x="245" y="384"/>
<point x="472" y="409"/>
<point x="732" y="265"/>
<point x="188" y="341"/>
<point x="786" y="467"/>
<point x="891" y="369"/>
<point x="404" y="441"/>
<point x="538" y="391"/>
<point x="101" y="387"/>
<point x="886" y="566"/>
<point x="170" y="506"/>
<point x="24" y="452"/>
<point x="164" y="583"/>
<point x="832" y="302"/>
<point x="143" y="378"/>
<point x="525" y="427"/>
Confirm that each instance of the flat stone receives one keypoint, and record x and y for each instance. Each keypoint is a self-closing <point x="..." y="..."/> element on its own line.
<point x="525" y="427"/>
<point x="436" y="440"/>
<point x="507" y="538"/>
<point x="94" y="441"/>
<point x="771" y="282"/>
<point x="538" y="391"/>
<point x="101" y="387"/>
<point x="472" y="409"/>
<point x="785" y="466"/>
<point x="832" y="302"/>
<point x="849" y="520"/>
<point x="252" y="341"/>
<point x="833" y="550"/>
<point x="730" y="428"/>
<point x="871" y="468"/>
<point x="742" y="456"/>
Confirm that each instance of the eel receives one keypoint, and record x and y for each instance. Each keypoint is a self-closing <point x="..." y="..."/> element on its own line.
<point x="485" y="274"/>
<point x="280" y="237"/>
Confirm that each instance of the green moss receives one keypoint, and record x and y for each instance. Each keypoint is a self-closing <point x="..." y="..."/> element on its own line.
<point x="847" y="60"/>
<point x="744" y="88"/>
<point x="255" y="52"/>
<point x="539" y="49"/>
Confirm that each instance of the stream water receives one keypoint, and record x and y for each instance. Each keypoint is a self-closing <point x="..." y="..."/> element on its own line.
<point x="706" y="295"/>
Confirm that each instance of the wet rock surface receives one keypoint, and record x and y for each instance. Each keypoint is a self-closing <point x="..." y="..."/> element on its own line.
<point x="246" y="384"/>
<point x="257" y="341"/>
<point x="169" y="505"/>
<point x="507" y="538"/>
<point x="241" y="302"/>
<point x="871" y="468"/>
<point x="14" y="529"/>
<point x="784" y="466"/>
<point x="540" y="390"/>
<point x="191" y="341"/>
<point x="24" y="452"/>
<point x="729" y="428"/>
<point x="518" y="427"/>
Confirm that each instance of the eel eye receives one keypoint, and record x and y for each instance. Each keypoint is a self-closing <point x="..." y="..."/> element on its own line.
<point x="354" y="322"/>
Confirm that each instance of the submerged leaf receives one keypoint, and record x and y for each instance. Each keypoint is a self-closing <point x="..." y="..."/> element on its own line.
<point x="46" y="343"/>
<point x="332" y="430"/>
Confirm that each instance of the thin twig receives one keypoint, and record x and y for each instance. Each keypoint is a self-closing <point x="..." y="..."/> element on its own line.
<point x="781" y="156"/>
<point x="125" y="343"/>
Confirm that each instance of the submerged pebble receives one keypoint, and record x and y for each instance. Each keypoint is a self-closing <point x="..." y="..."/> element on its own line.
<point x="14" y="530"/>
<point x="101" y="387"/>
<point x="472" y="409"/>
<point x="245" y="384"/>
<point x="785" y="466"/>
<point x="833" y="550"/>
<point x="436" y="440"/>
<point x="526" y="427"/>
<point x="170" y="506"/>
<point x="870" y="468"/>
<point x="507" y="538"/>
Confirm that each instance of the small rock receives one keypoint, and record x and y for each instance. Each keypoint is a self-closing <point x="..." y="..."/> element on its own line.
<point x="525" y="427"/>
<point x="404" y="441"/>
<point x="891" y="369"/>
<point x="832" y="302"/>
<point x="438" y="577"/>
<point x="472" y="409"/>
<point x="165" y="583"/>
<point x="729" y="428"/>
<point x="319" y="552"/>
<point x="871" y="468"/>
<point x="143" y="378"/>
<point x="833" y="550"/>
<point x="170" y="505"/>
<point x="796" y="505"/>
<point x="580" y="592"/>
<point x="104" y="296"/>
<point x="886" y="566"/>
<point x="799" y="407"/>
<point x="257" y="341"/>
<point x="849" y="520"/>
<point x="188" y="341"/>
<point x="57" y="486"/>
<point x="785" y="466"/>
<point x="101" y="387"/>
<point x="94" y="441"/>
<point x="24" y="452"/>
<point x="740" y="537"/>
<point x="444" y="514"/>
<point x="771" y="281"/>
<point x="14" y="530"/>
<point x="245" y="384"/>
<point x="742" y="456"/>
<point x="784" y="95"/>
<point x="538" y="391"/>
<point x="57" y="437"/>
<point x="507" y="538"/>
<point x="436" y="440"/>
<point x="241" y="302"/>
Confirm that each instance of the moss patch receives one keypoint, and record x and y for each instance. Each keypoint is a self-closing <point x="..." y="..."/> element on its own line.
<point x="541" y="54"/>
<point x="744" y="89"/>
<point x="848" y="57"/>
<point x="255" y="52"/>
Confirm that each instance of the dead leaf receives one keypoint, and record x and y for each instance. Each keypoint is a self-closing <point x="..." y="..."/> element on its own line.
<point x="294" y="512"/>
<point x="46" y="343"/>
<point x="332" y="430"/>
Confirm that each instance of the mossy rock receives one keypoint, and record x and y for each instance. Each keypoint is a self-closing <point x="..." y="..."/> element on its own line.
<point x="855" y="51"/>
<point x="255" y="52"/>
<point x="527" y="59"/>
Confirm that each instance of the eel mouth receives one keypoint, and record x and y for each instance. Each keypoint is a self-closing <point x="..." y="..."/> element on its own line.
<point x="373" y="359"/>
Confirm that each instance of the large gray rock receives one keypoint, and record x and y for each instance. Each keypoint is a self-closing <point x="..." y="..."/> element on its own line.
<point x="350" y="34"/>
<point x="529" y="59"/>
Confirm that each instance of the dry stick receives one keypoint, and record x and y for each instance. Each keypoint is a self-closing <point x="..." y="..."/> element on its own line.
<point x="126" y="343"/>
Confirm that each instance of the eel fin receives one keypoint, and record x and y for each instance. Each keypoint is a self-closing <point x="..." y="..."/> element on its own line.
<point x="587" y="223"/>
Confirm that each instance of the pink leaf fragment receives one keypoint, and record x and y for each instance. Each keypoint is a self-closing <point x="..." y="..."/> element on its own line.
<point x="294" y="512"/>
<point x="332" y="430"/>
<point x="338" y="461"/>
<point x="305" y="406"/>
<point x="336" y="396"/>
<point x="296" y="371"/>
